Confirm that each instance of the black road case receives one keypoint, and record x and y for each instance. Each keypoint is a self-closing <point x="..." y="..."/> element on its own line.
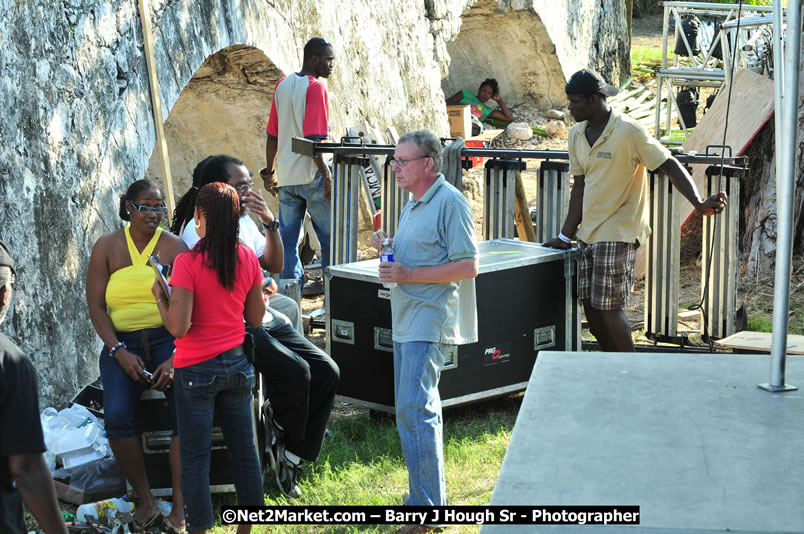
<point x="152" y="422"/>
<point x="526" y="302"/>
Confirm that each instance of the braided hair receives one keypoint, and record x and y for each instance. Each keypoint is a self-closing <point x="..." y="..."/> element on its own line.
<point x="210" y="169"/>
<point x="220" y="204"/>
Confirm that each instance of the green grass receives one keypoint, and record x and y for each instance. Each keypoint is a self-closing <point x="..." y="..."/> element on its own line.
<point x="760" y="322"/>
<point x="641" y="52"/>
<point x="763" y="322"/>
<point x="362" y="464"/>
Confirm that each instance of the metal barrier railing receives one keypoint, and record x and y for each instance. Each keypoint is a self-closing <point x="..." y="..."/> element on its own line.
<point x="662" y="282"/>
<point x="345" y="207"/>
<point x="720" y="248"/>
<point x="500" y="192"/>
<point x="663" y="258"/>
<point x="552" y="199"/>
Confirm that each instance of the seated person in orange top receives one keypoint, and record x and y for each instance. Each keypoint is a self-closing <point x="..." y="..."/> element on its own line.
<point x="488" y="90"/>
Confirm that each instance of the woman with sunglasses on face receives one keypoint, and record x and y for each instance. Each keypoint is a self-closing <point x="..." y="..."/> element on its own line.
<point x="215" y="286"/>
<point x="124" y="312"/>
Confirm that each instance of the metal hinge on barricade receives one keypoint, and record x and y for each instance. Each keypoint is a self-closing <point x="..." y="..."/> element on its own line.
<point x="570" y="260"/>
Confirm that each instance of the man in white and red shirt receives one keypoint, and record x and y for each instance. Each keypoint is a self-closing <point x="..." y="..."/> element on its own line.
<point x="300" y="108"/>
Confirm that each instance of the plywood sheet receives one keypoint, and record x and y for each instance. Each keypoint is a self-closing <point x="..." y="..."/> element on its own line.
<point x="752" y="104"/>
<point x="485" y="135"/>
<point x="751" y="107"/>
<point x="760" y="342"/>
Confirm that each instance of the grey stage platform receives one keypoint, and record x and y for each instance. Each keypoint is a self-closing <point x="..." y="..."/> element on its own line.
<point x="689" y="438"/>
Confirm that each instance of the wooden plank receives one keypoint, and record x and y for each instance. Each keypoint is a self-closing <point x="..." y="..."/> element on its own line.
<point x="156" y="102"/>
<point x="760" y="342"/>
<point x="486" y="135"/>
<point x="524" y="225"/>
<point x="751" y="107"/>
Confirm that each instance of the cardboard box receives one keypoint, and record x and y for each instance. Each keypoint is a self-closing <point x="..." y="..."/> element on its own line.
<point x="68" y="493"/>
<point x="460" y="121"/>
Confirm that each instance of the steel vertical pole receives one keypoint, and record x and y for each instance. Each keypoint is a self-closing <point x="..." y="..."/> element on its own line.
<point x="785" y="179"/>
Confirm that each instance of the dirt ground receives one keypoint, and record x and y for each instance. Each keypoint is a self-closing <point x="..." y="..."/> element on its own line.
<point x="647" y="31"/>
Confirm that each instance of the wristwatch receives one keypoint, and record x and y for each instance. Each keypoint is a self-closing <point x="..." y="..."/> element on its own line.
<point x="273" y="227"/>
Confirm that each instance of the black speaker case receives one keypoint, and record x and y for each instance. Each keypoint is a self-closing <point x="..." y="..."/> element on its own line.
<point x="526" y="302"/>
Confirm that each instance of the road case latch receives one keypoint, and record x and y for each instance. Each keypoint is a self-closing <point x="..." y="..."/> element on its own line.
<point x="544" y="337"/>
<point x="343" y="331"/>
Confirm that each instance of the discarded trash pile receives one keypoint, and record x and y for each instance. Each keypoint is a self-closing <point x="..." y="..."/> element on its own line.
<point x="85" y="471"/>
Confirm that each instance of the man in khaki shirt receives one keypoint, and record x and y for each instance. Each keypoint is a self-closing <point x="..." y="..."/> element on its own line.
<point x="609" y="154"/>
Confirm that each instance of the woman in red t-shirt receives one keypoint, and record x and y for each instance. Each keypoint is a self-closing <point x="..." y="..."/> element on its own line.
<point x="215" y="286"/>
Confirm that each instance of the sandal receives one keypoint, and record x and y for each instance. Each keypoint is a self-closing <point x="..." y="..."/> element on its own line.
<point x="170" y="528"/>
<point x="137" y="526"/>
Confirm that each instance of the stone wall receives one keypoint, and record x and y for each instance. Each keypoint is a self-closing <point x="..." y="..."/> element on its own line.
<point x="78" y="124"/>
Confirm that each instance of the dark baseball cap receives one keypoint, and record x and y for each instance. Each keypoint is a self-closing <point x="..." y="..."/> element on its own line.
<point x="588" y="82"/>
<point x="5" y="258"/>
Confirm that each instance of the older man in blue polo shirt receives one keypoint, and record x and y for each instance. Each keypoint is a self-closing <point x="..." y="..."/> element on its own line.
<point x="433" y="307"/>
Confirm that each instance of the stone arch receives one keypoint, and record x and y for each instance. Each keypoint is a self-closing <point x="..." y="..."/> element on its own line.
<point x="512" y="46"/>
<point x="533" y="47"/>
<point x="223" y="109"/>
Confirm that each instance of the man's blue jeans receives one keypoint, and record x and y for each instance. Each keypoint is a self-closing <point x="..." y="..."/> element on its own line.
<point x="417" y="368"/>
<point x="223" y="385"/>
<point x="294" y="200"/>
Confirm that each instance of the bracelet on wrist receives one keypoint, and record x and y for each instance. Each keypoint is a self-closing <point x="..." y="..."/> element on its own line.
<point x="564" y="238"/>
<point x="113" y="350"/>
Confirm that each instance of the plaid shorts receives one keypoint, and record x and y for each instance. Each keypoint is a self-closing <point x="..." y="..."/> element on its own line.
<point x="606" y="273"/>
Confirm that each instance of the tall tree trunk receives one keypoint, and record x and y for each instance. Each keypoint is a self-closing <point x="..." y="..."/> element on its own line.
<point x="758" y="224"/>
<point x="629" y="18"/>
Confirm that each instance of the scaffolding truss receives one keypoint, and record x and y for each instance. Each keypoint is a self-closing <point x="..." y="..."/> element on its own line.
<point x="709" y="60"/>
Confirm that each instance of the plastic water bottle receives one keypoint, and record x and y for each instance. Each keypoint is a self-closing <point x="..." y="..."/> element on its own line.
<point x="102" y="511"/>
<point x="387" y="255"/>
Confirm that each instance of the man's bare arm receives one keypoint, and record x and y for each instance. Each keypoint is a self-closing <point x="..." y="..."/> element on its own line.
<point x="682" y="181"/>
<point x="36" y="489"/>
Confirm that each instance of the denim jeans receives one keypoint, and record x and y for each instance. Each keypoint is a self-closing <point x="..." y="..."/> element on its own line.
<point x="120" y="392"/>
<point x="294" y="200"/>
<point x="417" y="368"/>
<point x="221" y="385"/>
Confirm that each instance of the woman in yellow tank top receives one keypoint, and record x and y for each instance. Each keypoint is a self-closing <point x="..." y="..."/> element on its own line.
<point x="138" y="350"/>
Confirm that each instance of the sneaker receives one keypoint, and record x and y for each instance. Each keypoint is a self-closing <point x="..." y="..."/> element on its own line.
<point x="287" y="474"/>
<point x="268" y="414"/>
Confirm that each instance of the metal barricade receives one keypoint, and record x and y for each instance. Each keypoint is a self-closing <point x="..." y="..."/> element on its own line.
<point x="720" y="253"/>
<point x="393" y="200"/>
<point x="345" y="207"/>
<point x="553" y="199"/>
<point x="663" y="259"/>
<point x="500" y="193"/>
